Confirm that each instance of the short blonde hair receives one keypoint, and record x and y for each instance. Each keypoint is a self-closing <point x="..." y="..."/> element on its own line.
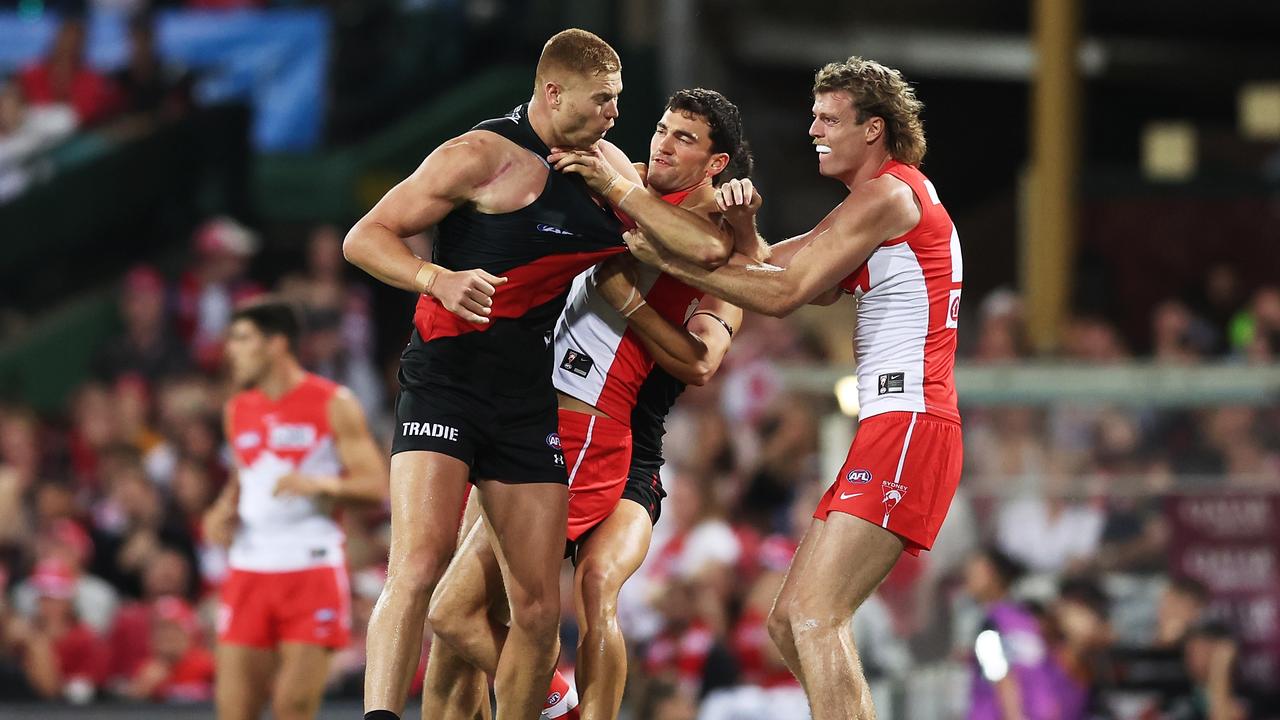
<point x="578" y="51"/>
<point x="879" y="91"/>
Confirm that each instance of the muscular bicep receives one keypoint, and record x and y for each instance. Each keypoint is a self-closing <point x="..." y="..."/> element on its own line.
<point x="884" y="209"/>
<point x="784" y="251"/>
<point x="713" y="334"/>
<point x="446" y="179"/>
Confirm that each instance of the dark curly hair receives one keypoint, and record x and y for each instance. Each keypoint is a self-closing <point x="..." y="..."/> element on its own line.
<point x="726" y="128"/>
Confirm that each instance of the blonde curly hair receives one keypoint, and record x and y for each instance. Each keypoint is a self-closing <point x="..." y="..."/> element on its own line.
<point x="879" y="91"/>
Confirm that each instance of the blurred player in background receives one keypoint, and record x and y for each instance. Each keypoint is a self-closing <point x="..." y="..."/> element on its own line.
<point x="300" y="444"/>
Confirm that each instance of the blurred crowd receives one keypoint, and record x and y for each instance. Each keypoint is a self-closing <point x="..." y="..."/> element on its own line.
<point x="46" y="102"/>
<point x="1053" y="567"/>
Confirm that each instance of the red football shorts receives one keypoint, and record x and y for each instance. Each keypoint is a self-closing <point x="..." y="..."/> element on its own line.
<point x="262" y="610"/>
<point x="597" y="451"/>
<point x="901" y="474"/>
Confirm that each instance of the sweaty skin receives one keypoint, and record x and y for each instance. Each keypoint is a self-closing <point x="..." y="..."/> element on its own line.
<point x="463" y="609"/>
<point x="427" y="488"/>
<point x="822" y="589"/>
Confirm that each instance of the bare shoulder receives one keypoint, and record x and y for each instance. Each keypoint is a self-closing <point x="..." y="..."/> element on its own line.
<point x="619" y="160"/>
<point x="345" y="413"/>
<point x="473" y="152"/>
<point x="884" y="206"/>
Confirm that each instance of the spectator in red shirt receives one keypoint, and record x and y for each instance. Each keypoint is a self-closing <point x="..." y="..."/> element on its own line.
<point x="63" y="77"/>
<point x="80" y="657"/>
<point x="215" y="284"/>
<point x="180" y="668"/>
<point x="147" y="347"/>
<point x="147" y="85"/>
<point x="93" y="599"/>
<point x="689" y="650"/>
<point x="168" y="574"/>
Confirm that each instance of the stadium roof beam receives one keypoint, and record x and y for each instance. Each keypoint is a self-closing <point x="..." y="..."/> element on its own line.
<point x="968" y="54"/>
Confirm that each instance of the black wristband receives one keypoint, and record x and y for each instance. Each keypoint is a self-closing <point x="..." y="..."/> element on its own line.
<point x="727" y="327"/>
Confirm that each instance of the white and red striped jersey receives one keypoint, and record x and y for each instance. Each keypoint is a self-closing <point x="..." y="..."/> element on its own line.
<point x="908" y="294"/>
<point x="599" y="359"/>
<point x="270" y="439"/>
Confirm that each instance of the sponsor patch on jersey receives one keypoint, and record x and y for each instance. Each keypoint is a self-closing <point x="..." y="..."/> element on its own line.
<point x="246" y="440"/>
<point x="577" y="362"/>
<point x="543" y="227"/>
<point x="553" y="698"/>
<point x="553" y="441"/>
<point x="292" y="437"/>
<point x="892" y="383"/>
<point x="953" y="309"/>
<point x="858" y="476"/>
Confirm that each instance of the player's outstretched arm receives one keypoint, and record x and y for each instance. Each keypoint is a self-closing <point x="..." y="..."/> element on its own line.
<point x="781" y="256"/>
<point x="685" y="233"/>
<point x="882" y="209"/>
<point x="448" y="177"/>
<point x="692" y="353"/>
<point x="366" y="478"/>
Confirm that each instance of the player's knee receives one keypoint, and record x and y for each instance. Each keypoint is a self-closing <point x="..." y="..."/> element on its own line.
<point x="779" y="625"/>
<point x="293" y="705"/>
<point x="538" y="615"/>
<point x="599" y="589"/>
<point x="417" y="575"/>
<point x="451" y="619"/>
<point x="812" y="619"/>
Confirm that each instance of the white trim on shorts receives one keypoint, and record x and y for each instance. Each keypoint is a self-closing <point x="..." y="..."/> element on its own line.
<point x="902" y="459"/>
<point x="586" y="443"/>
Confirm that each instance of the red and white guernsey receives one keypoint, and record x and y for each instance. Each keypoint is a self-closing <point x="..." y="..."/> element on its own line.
<point x="270" y="439"/>
<point x="908" y="295"/>
<point x="599" y="359"/>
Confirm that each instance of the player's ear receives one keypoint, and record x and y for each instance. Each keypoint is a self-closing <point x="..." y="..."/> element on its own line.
<point x="719" y="162"/>
<point x="551" y="91"/>
<point x="279" y="345"/>
<point x="875" y="128"/>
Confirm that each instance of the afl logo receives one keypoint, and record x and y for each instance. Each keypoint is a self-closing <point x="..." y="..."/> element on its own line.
<point x="859" y="477"/>
<point x="553" y="441"/>
<point x="553" y="698"/>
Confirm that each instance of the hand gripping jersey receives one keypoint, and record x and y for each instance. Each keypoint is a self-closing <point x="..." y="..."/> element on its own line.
<point x="599" y="359"/>
<point x="539" y="248"/>
<point x="483" y="393"/>
<point x="270" y="439"/>
<point x="908" y="295"/>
